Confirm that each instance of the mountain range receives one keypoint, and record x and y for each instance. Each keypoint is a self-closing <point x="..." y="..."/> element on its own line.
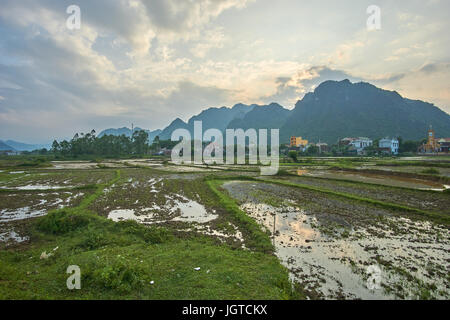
<point x="336" y="109"/>
<point x="129" y="132"/>
<point x="5" y="147"/>
<point x="20" y="146"/>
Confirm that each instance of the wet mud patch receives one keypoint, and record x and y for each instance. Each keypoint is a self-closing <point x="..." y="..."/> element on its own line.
<point x="186" y="205"/>
<point x="70" y="165"/>
<point x="429" y="201"/>
<point x="390" y="179"/>
<point x="45" y="179"/>
<point x="20" y="206"/>
<point x="331" y="247"/>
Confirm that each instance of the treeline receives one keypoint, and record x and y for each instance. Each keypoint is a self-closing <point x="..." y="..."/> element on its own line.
<point x="107" y="145"/>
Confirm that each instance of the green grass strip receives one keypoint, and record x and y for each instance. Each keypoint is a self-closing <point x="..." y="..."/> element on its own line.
<point x="255" y="238"/>
<point x="98" y="192"/>
<point x="364" y="183"/>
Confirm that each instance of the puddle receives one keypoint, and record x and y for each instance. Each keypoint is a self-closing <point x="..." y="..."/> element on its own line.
<point x="20" y="214"/>
<point x="412" y="256"/>
<point x="184" y="210"/>
<point x="122" y="215"/>
<point x="60" y="165"/>
<point x="144" y="163"/>
<point x="11" y="235"/>
<point x="187" y="168"/>
<point x="38" y="187"/>
<point x="16" y="172"/>
<point x="192" y="211"/>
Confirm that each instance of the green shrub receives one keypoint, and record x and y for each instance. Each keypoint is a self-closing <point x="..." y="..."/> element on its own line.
<point x="118" y="275"/>
<point x="63" y="221"/>
<point x="150" y="234"/>
<point x="156" y="235"/>
<point x="283" y="172"/>
<point x="431" y="171"/>
<point x="93" y="240"/>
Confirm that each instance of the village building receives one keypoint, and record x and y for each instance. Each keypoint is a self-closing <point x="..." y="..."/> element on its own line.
<point x="359" y="144"/>
<point x="346" y="141"/>
<point x="9" y="152"/>
<point x="323" y="147"/>
<point x="297" y="142"/>
<point x="444" y="145"/>
<point x="389" y="146"/>
<point x="435" y="145"/>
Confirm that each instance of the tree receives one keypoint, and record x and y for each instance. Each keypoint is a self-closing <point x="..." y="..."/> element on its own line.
<point x="312" y="150"/>
<point x="156" y="144"/>
<point x="409" y="146"/>
<point x="56" y="147"/>
<point x="140" y="142"/>
<point x="293" y="155"/>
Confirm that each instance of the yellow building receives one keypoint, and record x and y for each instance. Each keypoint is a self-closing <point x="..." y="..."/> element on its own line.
<point x="432" y="144"/>
<point x="298" y="141"/>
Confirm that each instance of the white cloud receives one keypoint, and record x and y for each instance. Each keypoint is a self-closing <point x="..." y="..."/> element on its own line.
<point x="148" y="61"/>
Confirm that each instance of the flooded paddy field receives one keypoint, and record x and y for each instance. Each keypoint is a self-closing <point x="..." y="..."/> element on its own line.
<point x="48" y="179"/>
<point x="376" y="178"/>
<point x="324" y="246"/>
<point x="332" y="246"/>
<point x="181" y="201"/>
<point x="436" y="201"/>
<point x="415" y="169"/>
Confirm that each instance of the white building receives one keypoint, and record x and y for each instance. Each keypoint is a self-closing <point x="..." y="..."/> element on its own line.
<point x="361" y="143"/>
<point x="391" y="144"/>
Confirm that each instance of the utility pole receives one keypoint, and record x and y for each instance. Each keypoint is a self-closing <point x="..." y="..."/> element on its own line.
<point x="274" y="223"/>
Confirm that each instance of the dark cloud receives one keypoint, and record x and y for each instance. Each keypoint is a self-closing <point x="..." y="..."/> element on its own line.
<point x="435" y="67"/>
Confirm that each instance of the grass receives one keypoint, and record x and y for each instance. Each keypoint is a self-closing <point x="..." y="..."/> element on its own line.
<point x="118" y="260"/>
<point x="431" y="171"/>
<point x="256" y="238"/>
<point x="91" y="198"/>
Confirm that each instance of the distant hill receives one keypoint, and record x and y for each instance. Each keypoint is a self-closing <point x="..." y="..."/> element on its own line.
<point x="338" y="109"/>
<point x="128" y="132"/>
<point x="272" y="116"/>
<point x="20" y="146"/>
<point x="217" y="118"/>
<point x="166" y="134"/>
<point x="5" y="147"/>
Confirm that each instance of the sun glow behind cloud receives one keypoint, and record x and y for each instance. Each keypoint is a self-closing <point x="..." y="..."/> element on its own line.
<point x="150" y="61"/>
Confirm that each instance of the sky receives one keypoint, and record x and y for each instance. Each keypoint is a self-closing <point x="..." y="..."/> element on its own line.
<point x="148" y="62"/>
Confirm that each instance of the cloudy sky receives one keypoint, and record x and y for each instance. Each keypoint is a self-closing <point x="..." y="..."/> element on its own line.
<point x="149" y="61"/>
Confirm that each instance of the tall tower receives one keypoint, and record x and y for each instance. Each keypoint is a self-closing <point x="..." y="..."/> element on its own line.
<point x="431" y="137"/>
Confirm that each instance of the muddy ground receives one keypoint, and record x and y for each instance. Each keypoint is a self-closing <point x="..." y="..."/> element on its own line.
<point x="425" y="200"/>
<point x="334" y="248"/>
